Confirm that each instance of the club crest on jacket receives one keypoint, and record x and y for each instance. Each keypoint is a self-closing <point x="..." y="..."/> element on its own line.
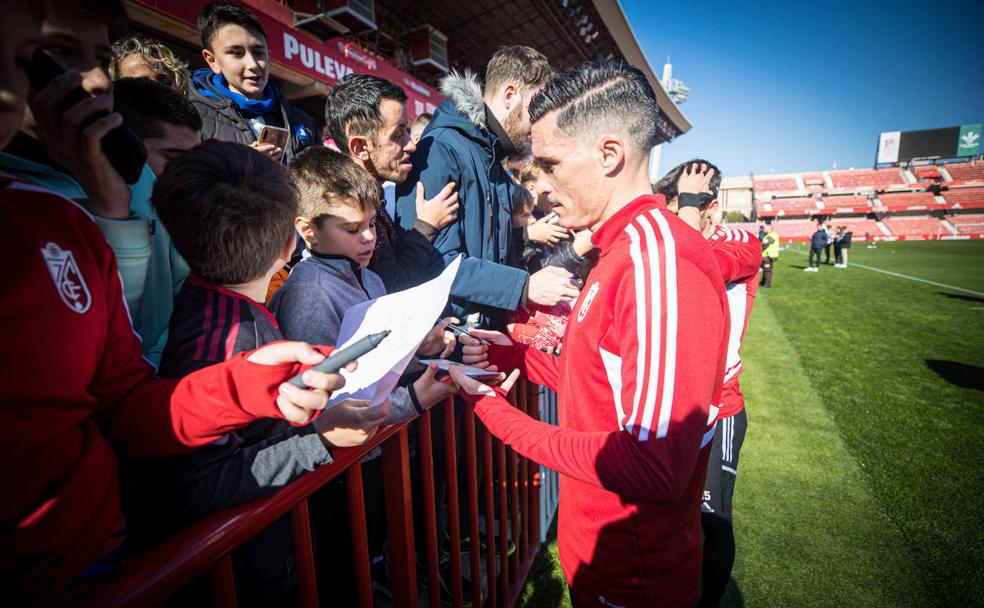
<point x="67" y="277"/>
<point x="588" y="299"/>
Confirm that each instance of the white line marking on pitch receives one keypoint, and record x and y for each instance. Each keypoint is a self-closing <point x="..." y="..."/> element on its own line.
<point x="904" y="276"/>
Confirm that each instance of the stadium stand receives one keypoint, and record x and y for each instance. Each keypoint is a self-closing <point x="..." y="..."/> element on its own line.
<point x="908" y="199"/>
<point x="927" y="172"/>
<point x="968" y="224"/>
<point x="787" y="204"/>
<point x="964" y="195"/>
<point x="775" y="184"/>
<point x="911" y="226"/>
<point x="813" y="182"/>
<point x="970" y="170"/>
<point x="833" y="202"/>
<point x="859" y="227"/>
<point x="795" y="229"/>
<point x="862" y="178"/>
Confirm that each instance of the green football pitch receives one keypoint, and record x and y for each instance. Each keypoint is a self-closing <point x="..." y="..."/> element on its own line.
<point x="859" y="481"/>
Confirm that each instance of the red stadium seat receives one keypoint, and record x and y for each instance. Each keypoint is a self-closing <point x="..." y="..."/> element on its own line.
<point x="872" y="178"/>
<point x="921" y="225"/>
<point x="964" y="196"/>
<point x="775" y="184"/>
<point x="969" y="223"/>
<point x="969" y="170"/>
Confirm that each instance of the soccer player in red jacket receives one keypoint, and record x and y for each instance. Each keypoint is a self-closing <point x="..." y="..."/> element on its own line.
<point x="76" y="391"/>
<point x="691" y="191"/>
<point x="643" y="354"/>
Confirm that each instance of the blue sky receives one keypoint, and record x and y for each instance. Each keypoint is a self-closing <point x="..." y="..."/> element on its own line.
<point x="790" y="86"/>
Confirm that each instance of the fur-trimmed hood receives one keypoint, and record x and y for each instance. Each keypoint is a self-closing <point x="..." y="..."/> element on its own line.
<point x="465" y="92"/>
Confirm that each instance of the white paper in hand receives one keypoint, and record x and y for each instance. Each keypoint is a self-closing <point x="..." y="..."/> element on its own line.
<point x="409" y="315"/>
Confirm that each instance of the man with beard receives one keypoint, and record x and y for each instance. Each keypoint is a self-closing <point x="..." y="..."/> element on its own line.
<point x="366" y="116"/>
<point x="472" y="132"/>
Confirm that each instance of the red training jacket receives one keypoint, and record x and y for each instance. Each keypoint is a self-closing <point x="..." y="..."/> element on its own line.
<point x="739" y="255"/>
<point x="77" y="393"/>
<point x="643" y="359"/>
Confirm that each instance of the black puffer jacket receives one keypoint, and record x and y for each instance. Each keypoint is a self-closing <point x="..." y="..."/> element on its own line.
<point x="221" y="119"/>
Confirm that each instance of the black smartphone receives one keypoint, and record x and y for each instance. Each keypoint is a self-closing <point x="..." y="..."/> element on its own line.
<point x="121" y="146"/>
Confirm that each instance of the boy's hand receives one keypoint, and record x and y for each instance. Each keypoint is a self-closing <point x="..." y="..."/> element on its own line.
<point x="475" y="353"/>
<point x="271" y="150"/>
<point x="582" y="242"/>
<point x="546" y="230"/>
<point x="471" y="386"/>
<point x="431" y="391"/>
<point x="440" y="210"/>
<point x="80" y="149"/>
<point x="351" y="422"/>
<point x="438" y="343"/>
<point x="296" y="404"/>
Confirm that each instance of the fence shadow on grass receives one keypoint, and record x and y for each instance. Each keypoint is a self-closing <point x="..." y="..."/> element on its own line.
<point x="960" y="296"/>
<point x="958" y="374"/>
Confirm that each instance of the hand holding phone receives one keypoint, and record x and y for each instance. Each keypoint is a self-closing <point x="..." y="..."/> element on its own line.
<point x="272" y="141"/>
<point x="122" y="148"/>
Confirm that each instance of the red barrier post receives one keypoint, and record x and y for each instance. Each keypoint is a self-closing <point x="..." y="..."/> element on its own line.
<point x="430" y="508"/>
<point x="300" y="532"/>
<point x="471" y="461"/>
<point x="360" y="539"/>
<point x="399" y="519"/>
<point x="533" y="406"/>
<point x="222" y="583"/>
<point x="454" y="526"/>
<point x="490" y="566"/>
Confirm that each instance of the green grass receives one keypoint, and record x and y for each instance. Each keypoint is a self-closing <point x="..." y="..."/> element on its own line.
<point x="860" y="483"/>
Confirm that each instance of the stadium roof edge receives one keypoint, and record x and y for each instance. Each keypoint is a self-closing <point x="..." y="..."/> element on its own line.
<point x="621" y="30"/>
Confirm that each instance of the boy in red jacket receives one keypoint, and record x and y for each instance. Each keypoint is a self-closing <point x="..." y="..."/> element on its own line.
<point x="76" y="390"/>
<point x="643" y="357"/>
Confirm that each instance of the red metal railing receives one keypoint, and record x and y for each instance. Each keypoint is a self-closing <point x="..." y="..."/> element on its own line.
<point x="509" y="481"/>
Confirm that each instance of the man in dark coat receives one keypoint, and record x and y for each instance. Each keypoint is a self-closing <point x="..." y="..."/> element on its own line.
<point x="235" y="96"/>
<point x="472" y="132"/>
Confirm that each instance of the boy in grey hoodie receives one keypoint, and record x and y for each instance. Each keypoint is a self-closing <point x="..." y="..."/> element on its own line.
<point x="336" y="218"/>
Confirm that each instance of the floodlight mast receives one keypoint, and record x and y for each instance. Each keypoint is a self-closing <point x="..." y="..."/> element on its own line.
<point x="677" y="91"/>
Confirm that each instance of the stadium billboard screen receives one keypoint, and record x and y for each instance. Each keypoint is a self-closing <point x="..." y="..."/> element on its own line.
<point x="895" y="146"/>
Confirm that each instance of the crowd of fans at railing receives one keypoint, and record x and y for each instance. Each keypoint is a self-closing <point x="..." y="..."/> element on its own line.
<point x="151" y="322"/>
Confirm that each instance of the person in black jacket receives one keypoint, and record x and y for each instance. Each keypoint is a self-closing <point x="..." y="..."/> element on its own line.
<point x="366" y="116"/>
<point x="235" y="96"/>
<point x="818" y="241"/>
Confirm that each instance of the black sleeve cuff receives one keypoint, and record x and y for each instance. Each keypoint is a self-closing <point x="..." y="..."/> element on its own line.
<point x="428" y="231"/>
<point x="413" y="399"/>
<point x="689" y="199"/>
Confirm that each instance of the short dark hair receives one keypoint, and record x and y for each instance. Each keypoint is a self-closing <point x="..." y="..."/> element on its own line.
<point x="216" y="14"/>
<point x="668" y="185"/>
<point x="229" y="210"/>
<point x="147" y="106"/>
<point x="522" y="65"/>
<point x="327" y="178"/>
<point x="352" y="107"/>
<point x="601" y="93"/>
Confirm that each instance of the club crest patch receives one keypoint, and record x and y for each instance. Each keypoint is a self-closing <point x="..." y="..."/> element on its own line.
<point x="68" y="279"/>
<point x="588" y="299"/>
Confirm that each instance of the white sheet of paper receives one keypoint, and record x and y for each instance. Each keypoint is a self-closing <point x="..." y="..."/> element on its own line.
<point x="409" y="315"/>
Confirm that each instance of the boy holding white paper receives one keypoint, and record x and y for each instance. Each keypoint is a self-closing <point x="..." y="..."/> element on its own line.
<point x="336" y="211"/>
